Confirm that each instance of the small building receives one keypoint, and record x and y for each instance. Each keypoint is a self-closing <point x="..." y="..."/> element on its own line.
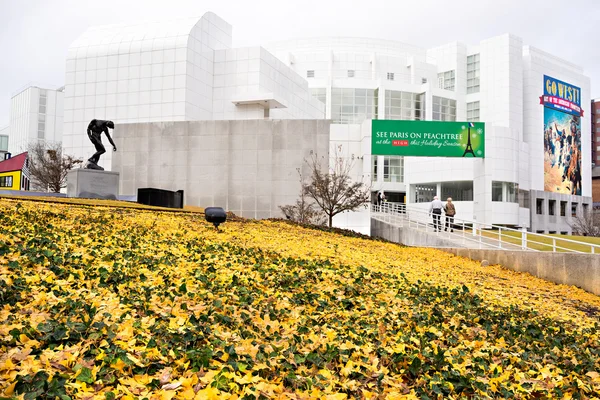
<point x="14" y="173"/>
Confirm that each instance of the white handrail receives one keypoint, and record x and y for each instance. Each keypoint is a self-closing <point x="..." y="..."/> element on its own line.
<point x="421" y="218"/>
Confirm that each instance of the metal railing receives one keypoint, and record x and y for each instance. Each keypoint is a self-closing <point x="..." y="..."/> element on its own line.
<point x="473" y="234"/>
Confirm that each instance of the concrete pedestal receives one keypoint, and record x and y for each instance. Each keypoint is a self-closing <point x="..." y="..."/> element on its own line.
<point x="92" y="184"/>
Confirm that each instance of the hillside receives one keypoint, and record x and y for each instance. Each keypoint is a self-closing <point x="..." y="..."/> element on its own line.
<point x="111" y="302"/>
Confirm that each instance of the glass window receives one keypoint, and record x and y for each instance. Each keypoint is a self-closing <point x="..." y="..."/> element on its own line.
<point x="444" y="109"/>
<point x="539" y="206"/>
<point x="6" y="181"/>
<point x="511" y="191"/>
<point x="347" y="105"/>
<point x="563" y="208"/>
<point x="473" y="111"/>
<point x="446" y="80"/>
<point x="424" y="192"/>
<point x="459" y="191"/>
<point x="319" y="94"/>
<point x="404" y="105"/>
<point x="473" y="73"/>
<point x="573" y="209"/>
<point x="496" y="191"/>
<point x="393" y="169"/>
<point x="551" y="206"/>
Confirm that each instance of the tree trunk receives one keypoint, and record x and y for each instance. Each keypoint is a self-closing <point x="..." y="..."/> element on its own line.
<point x="330" y="220"/>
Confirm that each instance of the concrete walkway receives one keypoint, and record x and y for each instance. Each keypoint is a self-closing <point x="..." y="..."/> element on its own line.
<point x="400" y="229"/>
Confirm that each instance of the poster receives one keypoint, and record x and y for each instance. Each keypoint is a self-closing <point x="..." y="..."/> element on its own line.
<point x="428" y="138"/>
<point x="562" y="137"/>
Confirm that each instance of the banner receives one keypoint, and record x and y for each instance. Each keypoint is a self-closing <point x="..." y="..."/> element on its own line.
<point x="428" y="138"/>
<point x="561" y="96"/>
<point x="562" y="152"/>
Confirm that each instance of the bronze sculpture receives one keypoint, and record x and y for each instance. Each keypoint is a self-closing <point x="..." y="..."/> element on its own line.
<point x="94" y="132"/>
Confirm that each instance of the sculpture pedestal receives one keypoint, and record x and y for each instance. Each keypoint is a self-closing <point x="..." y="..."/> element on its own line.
<point x="92" y="184"/>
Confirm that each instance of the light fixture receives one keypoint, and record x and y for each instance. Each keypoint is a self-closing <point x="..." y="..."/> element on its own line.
<point x="215" y="215"/>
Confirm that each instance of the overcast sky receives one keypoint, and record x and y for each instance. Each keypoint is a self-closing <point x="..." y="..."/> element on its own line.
<point x="35" y="34"/>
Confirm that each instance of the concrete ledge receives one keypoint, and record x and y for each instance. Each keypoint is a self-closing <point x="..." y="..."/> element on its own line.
<point x="408" y="236"/>
<point x="581" y="270"/>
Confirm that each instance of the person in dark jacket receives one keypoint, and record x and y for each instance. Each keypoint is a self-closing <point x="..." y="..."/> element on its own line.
<point x="450" y="213"/>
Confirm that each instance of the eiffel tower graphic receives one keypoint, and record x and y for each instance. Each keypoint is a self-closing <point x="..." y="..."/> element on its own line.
<point x="469" y="148"/>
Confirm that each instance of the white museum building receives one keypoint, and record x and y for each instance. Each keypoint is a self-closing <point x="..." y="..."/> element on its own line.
<point x="231" y="126"/>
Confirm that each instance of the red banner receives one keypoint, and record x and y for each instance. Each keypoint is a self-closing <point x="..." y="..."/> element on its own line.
<point x="560" y="103"/>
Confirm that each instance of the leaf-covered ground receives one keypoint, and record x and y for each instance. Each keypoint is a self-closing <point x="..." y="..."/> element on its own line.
<point x="106" y="303"/>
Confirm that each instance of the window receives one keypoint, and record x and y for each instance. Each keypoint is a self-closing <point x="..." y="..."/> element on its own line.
<point x="539" y="206"/>
<point x="496" y="191"/>
<point x="374" y="169"/>
<point x="390" y="76"/>
<point x="473" y="111"/>
<point x="42" y="101"/>
<point x="42" y="114"/>
<point x="393" y="169"/>
<point x="473" y="74"/>
<point x="404" y="105"/>
<point x="444" y="109"/>
<point x="319" y="94"/>
<point x="573" y="209"/>
<point x="6" y="181"/>
<point x="563" y="208"/>
<point x="459" y="191"/>
<point x="424" y="193"/>
<point x="511" y="191"/>
<point x="353" y="106"/>
<point x="446" y="80"/>
<point x="551" y="206"/>
<point x="523" y="198"/>
<point x="423" y="80"/>
<point x="350" y="73"/>
<point x="585" y="209"/>
<point x="506" y="191"/>
<point x="310" y="73"/>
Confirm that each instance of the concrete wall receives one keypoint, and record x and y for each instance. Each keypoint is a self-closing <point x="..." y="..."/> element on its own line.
<point x="582" y="270"/>
<point x="556" y="223"/>
<point x="248" y="167"/>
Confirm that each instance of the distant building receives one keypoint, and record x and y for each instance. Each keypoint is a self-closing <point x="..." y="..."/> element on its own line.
<point x="14" y="173"/>
<point x="36" y="113"/>
<point x="4" y="142"/>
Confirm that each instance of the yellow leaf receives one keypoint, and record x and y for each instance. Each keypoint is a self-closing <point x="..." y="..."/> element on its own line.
<point x="10" y="389"/>
<point x="119" y="365"/>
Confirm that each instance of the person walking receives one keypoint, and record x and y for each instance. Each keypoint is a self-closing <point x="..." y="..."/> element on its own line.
<point x="435" y="209"/>
<point x="450" y="213"/>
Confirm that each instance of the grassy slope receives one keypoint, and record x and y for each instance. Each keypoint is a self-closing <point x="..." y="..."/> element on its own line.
<point x="101" y="301"/>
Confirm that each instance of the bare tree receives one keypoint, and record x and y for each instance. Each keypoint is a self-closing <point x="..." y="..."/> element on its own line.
<point x="586" y="224"/>
<point x="48" y="166"/>
<point x="332" y="188"/>
<point x="304" y="211"/>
